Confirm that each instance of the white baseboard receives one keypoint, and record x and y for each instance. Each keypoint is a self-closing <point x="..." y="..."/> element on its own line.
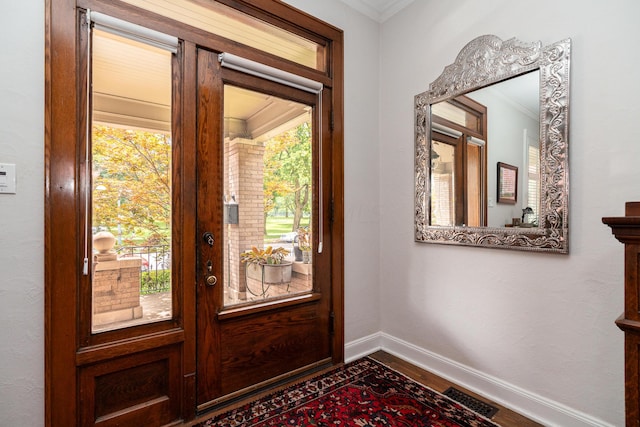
<point x="531" y="405"/>
<point x="362" y="347"/>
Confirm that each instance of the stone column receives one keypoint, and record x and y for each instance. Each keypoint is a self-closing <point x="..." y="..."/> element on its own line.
<point x="244" y="180"/>
<point x="116" y="284"/>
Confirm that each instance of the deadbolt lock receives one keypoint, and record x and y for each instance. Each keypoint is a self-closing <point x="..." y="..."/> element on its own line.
<point x="208" y="238"/>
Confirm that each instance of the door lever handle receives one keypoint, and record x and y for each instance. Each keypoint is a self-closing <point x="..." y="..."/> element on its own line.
<point x="208" y="238"/>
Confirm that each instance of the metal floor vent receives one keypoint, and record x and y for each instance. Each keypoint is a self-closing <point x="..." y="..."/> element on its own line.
<point x="471" y="402"/>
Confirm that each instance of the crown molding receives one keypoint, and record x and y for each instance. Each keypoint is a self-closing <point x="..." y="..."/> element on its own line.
<point x="378" y="10"/>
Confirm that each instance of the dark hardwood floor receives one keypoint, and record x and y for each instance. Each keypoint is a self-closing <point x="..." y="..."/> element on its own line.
<point x="504" y="417"/>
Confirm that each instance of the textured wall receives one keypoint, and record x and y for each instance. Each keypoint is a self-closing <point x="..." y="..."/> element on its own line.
<point x="22" y="215"/>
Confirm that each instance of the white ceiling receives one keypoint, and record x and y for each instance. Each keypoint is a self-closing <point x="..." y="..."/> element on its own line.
<point x="378" y="10"/>
<point x="258" y="116"/>
<point x="522" y="92"/>
<point x="131" y="83"/>
<point x="132" y="88"/>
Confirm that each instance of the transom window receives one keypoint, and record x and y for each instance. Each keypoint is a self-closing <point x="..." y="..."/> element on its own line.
<point x="227" y="22"/>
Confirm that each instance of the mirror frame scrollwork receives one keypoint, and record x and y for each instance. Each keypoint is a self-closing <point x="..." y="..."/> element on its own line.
<point x="484" y="61"/>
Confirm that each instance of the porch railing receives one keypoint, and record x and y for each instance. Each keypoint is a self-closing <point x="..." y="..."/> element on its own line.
<point x="155" y="274"/>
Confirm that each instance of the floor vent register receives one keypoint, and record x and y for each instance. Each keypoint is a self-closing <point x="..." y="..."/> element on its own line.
<point x="471" y="402"/>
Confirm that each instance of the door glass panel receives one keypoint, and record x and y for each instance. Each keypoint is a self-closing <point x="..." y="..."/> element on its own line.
<point x="474" y="188"/>
<point x="131" y="183"/>
<point x="442" y="184"/>
<point x="230" y="23"/>
<point x="268" y="197"/>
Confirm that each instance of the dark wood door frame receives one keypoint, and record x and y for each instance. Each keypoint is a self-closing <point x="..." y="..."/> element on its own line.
<point x="165" y="352"/>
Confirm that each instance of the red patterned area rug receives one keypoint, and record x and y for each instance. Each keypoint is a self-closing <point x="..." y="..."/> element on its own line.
<point x="363" y="393"/>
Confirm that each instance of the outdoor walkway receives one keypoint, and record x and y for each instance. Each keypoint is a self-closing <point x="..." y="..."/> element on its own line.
<point x="300" y="283"/>
<point x="157" y="307"/>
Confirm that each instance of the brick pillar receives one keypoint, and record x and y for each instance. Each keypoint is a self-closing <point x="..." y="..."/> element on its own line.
<point x="116" y="291"/>
<point x="244" y="179"/>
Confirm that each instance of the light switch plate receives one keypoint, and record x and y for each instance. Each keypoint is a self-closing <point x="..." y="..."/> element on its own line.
<point x="7" y="178"/>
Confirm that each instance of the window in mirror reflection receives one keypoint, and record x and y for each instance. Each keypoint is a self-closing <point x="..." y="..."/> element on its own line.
<point x="533" y="185"/>
<point x="459" y="163"/>
<point x="474" y="190"/>
<point x="459" y="112"/>
<point x="442" y="184"/>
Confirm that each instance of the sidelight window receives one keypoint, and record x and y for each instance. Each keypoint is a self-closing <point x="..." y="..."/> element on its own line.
<point x="130" y="152"/>
<point x="443" y="195"/>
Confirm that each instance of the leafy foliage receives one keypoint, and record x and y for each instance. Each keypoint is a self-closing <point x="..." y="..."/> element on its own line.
<point x="132" y="182"/>
<point x="304" y="238"/>
<point x="287" y="171"/>
<point x="269" y="255"/>
<point x="152" y="282"/>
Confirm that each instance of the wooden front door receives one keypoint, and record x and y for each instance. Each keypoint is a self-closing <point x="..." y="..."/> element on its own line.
<point x="218" y="334"/>
<point x="258" y="151"/>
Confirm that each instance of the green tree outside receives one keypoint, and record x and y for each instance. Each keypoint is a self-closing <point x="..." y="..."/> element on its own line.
<point x="132" y="184"/>
<point x="287" y="172"/>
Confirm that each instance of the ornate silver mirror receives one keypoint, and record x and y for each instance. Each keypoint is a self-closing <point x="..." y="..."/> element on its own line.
<point x="491" y="148"/>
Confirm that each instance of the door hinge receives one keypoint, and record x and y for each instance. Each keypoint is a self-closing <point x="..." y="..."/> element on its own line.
<point x="332" y="320"/>
<point x="331" y="122"/>
<point x="332" y="211"/>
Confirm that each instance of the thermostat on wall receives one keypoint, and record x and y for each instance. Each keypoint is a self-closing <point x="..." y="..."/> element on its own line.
<point x="7" y="178"/>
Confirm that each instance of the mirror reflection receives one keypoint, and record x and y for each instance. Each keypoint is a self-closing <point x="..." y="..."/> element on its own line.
<point x="491" y="148"/>
<point x="470" y="135"/>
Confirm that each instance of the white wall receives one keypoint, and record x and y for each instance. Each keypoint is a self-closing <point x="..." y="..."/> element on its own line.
<point x="541" y="323"/>
<point x="506" y="123"/>
<point x="22" y="215"/>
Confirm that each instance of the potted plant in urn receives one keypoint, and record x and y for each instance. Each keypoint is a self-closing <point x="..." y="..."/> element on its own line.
<point x="304" y="243"/>
<point x="267" y="265"/>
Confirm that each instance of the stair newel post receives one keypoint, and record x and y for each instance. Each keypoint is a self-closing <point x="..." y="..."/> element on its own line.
<point x="627" y="230"/>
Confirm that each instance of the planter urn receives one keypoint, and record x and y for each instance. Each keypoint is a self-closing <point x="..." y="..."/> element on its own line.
<point x="270" y="273"/>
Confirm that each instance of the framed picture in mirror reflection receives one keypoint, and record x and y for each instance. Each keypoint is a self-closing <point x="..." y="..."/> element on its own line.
<point x="507" y="183"/>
